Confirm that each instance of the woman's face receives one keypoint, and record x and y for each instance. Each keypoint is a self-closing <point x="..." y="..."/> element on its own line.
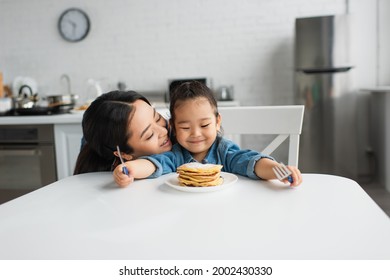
<point x="149" y="134"/>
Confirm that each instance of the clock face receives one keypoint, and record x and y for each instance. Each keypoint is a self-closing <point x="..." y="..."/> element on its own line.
<point x="73" y="25"/>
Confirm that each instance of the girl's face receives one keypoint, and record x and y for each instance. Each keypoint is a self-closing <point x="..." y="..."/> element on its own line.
<point x="149" y="134"/>
<point x="196" y="126"/>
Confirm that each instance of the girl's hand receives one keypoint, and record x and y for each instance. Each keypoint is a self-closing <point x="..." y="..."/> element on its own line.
<point x="263" y="169"/>
<point x="121" y="179"/>
<point x="296" y="176"/>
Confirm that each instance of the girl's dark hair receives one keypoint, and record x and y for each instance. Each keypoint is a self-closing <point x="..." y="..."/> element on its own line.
<point x="105" y="125"/>
<point x="191" y="90"/>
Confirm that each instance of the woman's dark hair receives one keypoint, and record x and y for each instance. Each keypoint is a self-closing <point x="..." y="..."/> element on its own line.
<point x="105" y="124"/>
<point x="190" y="90"/>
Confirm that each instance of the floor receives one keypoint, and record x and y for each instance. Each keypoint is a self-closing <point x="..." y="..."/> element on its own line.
<point x="379" y="194"/>
<point x="6" y="195"/>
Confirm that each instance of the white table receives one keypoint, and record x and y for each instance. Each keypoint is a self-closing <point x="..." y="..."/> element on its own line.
<point x="88" y="217"/>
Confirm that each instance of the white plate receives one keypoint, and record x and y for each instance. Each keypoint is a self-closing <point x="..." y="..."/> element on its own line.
<point x="228" y="180"/>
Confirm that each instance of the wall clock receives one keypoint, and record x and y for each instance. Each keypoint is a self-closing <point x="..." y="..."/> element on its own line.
<point x="73" y="25"/>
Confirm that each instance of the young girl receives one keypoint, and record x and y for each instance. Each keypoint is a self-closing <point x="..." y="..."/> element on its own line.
<point x="196" y="124"/>
<point x="123" y="118"/>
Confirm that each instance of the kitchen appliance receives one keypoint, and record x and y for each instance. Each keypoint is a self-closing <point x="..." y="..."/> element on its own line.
<point x="27" y="159"/>
<point x="19" y="82"/>
<point x="26" y="99"/>
<point x="225" y="93"/>
<point x="48" y="105"/>
<point x="322" y="73"/>
<point x="64" y="102"/>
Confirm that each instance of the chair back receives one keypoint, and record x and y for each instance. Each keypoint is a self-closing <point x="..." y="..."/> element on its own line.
<point x="283" y="121"/>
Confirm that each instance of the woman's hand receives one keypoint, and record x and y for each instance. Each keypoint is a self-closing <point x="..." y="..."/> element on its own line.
<point x="120" y="178"/>
<point x="138" y="169"/>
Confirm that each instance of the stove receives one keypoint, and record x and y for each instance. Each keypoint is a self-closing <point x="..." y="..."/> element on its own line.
<point x="36" y="111"/>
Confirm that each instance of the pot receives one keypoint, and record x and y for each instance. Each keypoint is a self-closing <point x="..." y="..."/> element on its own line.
<point x="64" y="102"/>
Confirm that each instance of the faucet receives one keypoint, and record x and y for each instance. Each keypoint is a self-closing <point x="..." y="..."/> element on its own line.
<point x="67" y="79"/>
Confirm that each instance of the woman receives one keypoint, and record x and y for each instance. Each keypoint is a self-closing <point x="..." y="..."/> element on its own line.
<point x="106" y="124"/>
<point x="197" y="125"/>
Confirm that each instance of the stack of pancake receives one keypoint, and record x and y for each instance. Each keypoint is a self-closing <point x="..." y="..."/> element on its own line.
<point x="196" y="174"/>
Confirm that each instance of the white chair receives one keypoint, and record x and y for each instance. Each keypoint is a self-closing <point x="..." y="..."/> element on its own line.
<point x="283" y="121"/>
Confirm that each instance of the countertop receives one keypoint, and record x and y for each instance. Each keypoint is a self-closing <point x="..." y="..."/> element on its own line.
<point x="77" y="116"/>
<point x="377" y="89"/>
<point x="42" y="119"/>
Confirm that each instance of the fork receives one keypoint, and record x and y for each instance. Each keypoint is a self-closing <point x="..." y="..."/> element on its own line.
<point x="282" y="172"/>
<point x="124" y="168"/>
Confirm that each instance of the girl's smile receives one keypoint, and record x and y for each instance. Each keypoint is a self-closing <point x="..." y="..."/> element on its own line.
<point x="196" y="126"/>
<point x="195" y="142"/>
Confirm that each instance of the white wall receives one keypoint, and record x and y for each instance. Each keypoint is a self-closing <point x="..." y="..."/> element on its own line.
<point x="246" y="43"/>
<point x="384" y="43"/>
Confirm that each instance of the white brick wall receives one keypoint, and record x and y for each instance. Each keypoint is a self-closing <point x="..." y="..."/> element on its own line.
<point x="246" y="43"/>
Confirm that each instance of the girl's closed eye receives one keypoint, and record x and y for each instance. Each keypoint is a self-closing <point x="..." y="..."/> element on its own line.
<point x="205" y="125"/>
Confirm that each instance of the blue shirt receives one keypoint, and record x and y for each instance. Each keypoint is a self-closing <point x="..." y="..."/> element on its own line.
<point x="223" y="151"/>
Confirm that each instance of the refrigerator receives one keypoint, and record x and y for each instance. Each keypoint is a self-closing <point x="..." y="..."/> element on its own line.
<point x="322" y="83"/>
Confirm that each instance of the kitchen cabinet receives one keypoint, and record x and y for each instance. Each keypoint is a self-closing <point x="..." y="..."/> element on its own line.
<point x="67" y="147"/>
<point x="67" y="137"/>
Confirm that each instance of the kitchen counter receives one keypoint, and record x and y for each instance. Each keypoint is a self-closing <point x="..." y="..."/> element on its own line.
<point x="76" y="117"/>
<point x="377" y="89"/>
<point x="70" y="118"/>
